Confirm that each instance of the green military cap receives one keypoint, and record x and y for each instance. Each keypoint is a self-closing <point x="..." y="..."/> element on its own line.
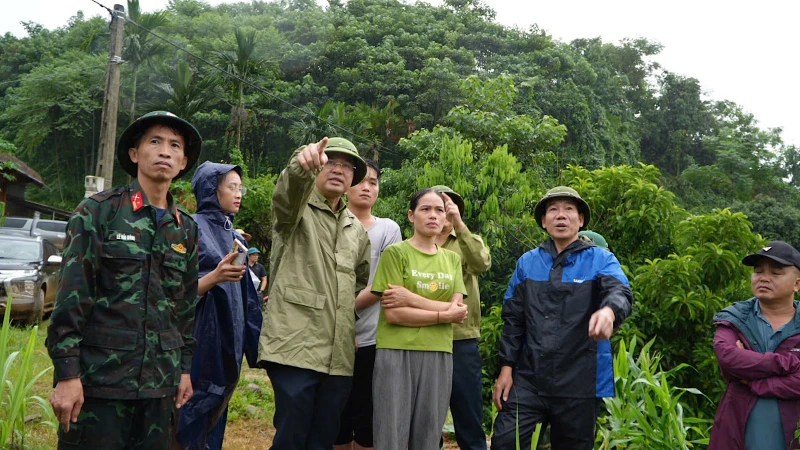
<point x="343" y="146"/>
<point x="562" y="192"/>
<point x="442" y="189"/>
<point x="597" y="238"/>
<point x="191" y="136"/>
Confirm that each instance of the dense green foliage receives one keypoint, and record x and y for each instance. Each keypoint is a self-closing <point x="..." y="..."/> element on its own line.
<point x="384" y="69"/>
<point x="680" y="185"/>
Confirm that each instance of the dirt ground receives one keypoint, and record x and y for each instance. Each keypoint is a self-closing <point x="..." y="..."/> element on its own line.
<point x="252" y="435"/>
<point x="257" y="433"/>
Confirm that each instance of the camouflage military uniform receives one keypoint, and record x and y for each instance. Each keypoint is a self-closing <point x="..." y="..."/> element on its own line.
<point x="124" y="316"/>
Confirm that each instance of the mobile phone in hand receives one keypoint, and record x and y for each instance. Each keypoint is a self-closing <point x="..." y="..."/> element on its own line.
<point x="241" y="253"/>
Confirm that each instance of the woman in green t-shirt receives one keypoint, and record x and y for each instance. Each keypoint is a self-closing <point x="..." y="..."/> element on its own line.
<point x="421" y="289"/>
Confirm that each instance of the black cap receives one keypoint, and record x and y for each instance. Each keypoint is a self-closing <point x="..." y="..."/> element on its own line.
<point x="778" y="251"/>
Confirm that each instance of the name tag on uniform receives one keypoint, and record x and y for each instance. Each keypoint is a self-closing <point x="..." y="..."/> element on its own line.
<point x="123" y="237"/>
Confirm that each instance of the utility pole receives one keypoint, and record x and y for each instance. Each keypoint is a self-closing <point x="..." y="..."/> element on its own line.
<point x="108" y="123"/>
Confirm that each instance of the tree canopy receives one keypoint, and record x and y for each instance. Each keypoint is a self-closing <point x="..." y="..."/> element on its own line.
<point x="681" y="185"/>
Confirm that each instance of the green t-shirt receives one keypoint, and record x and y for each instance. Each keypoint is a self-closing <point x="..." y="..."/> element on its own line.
<point x="435" y="277"/>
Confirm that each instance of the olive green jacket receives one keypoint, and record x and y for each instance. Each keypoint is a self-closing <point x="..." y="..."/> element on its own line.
<point x="475" y="260"/>
<point x="319" y="260"/>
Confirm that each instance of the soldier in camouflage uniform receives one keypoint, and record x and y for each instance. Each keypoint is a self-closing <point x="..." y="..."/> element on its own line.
<point x="120" y="335"/>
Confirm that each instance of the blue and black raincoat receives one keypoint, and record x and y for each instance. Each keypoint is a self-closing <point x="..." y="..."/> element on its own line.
<point x="227" y="323"/>
<point x="546" y="313"/>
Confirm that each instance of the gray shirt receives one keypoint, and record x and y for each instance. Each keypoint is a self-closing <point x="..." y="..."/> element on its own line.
<point x="382" y="233"/>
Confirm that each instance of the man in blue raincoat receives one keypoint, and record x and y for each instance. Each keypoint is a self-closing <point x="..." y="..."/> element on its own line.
<point x="228" y="320"/>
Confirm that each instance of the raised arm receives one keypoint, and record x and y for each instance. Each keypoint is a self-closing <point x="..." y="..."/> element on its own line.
<point x="741" y="364"/>
<point x="295" y="185"/>
<point x="474" y="252"/>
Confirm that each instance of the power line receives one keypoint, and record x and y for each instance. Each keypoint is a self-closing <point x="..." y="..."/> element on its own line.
<point x="44" y="77"/>
<point x="527" y="244"/>
<point x="104" y="7"/>
<point x="260" y="89"/>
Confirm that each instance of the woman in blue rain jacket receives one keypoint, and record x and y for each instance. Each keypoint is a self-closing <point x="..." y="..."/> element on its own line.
<point x="228" y="318"/>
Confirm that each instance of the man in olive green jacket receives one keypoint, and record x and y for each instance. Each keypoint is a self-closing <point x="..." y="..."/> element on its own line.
<point x="320" y="258"/>
<point x="465" y="400"/>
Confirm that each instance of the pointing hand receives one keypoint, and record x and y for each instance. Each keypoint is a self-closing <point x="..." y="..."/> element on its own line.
<point x="313" y="157"/>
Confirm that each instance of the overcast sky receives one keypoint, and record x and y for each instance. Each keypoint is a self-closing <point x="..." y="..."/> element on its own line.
<point x="740" y="51"/>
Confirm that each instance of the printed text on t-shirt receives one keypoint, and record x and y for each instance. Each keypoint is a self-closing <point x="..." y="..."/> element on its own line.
<point x="432" y="286"/>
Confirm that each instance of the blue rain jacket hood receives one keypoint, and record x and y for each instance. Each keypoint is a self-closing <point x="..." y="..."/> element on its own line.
<point x="228" y="317"/>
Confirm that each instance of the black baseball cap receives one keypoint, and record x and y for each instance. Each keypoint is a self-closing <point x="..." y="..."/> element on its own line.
<point x="778" y="251"/>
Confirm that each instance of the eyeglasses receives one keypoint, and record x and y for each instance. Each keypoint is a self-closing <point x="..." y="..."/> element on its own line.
<point x="345" y="166"/>
<point x="234" y="188"/>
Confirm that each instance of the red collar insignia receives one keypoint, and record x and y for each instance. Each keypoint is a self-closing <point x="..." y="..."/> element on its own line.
<point x="136" y="201"/>
<point x="177" y="216"/>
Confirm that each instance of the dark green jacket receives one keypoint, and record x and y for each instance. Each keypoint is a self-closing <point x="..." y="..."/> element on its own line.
<point x="125" y="305"/>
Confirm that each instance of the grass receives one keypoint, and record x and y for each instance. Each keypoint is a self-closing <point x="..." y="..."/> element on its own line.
<point x="245" y="429"/>
<point x="25" y="388"/>
<point x="249" y="416"/>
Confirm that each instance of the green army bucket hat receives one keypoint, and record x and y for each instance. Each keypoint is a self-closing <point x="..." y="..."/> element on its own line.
<point x="562" y="192"/>
<point x="595" y="237"/>
<point x="187" y="130"/>
<point x="442" y="189"/>
<point x="342" y="145"/>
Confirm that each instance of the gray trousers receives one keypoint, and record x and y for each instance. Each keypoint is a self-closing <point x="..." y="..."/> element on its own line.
<point x="411" y="393"/>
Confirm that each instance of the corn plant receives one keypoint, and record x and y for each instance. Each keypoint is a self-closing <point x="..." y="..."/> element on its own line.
<point x="16" y="386"/>
<point x="647" y="413"/>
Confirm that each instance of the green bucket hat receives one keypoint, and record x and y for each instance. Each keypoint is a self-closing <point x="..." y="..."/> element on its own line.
<point x="187" y="130"/>
<point x="562" y="192"/>
<point x="342" y="145"/>
<point x="595" y="237"/>
<point x="442" y="189"/>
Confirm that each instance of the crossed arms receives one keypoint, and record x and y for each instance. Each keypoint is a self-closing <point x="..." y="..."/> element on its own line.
<point x="768" y="374"/>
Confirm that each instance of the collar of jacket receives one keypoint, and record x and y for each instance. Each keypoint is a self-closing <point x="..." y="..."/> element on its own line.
<point x="139" y="199"/>
<point x="317" y="200"/>
<point x="549" y="246"/>
<point x="217" y="217"/>
<point x="742" y="316"/>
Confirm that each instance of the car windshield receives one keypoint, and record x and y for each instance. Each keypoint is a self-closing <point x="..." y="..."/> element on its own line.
<point x="27" y="250"/>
